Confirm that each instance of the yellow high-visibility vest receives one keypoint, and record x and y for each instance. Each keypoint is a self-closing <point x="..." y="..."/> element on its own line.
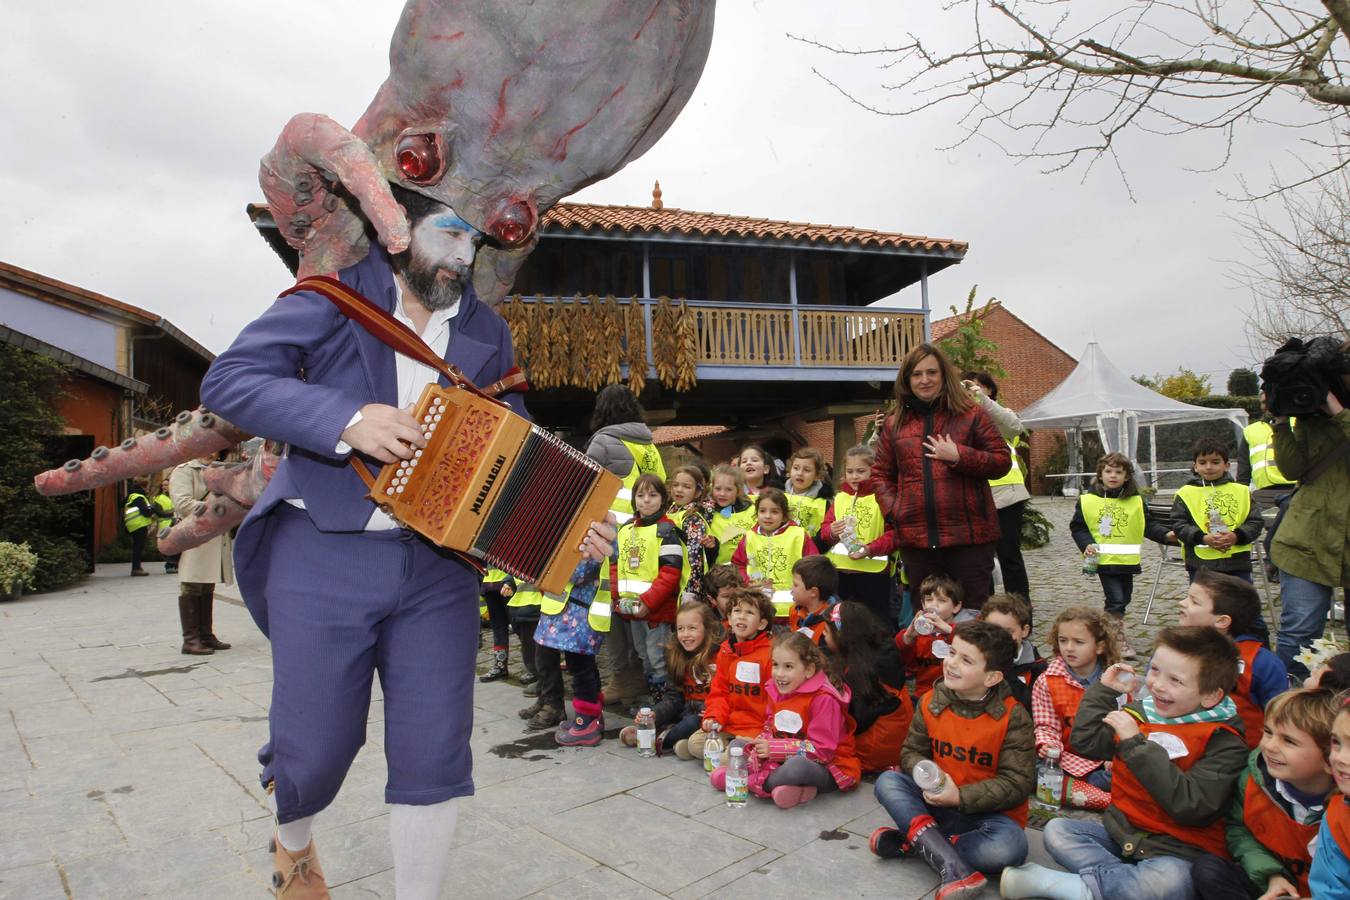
<point x="1232" y="500"/>
<point x="640" y="560"/>
<point x="728" y="531"/>
<point x="135" y="520"/>
<point x="646" y="461"/>
<point x="773" y="557"/>
<point x="1015" y="474"/>
<point x="871" y="525"/>
<point x="1260" y="439"/>
<point x="1117" y="527"/>
<point x="808" y="512"/>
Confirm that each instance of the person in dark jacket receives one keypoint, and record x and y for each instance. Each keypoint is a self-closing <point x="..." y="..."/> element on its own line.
<point x="935" y="457"/>
<point x="1214" y="517"/>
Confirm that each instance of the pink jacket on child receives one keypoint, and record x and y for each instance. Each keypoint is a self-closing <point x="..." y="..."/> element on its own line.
<point x="815" y="718"/>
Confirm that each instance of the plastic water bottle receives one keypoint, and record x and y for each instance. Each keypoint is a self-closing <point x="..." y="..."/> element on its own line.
<point x="646" y="731"/>
<point x="712" y="750"/>
<point x="738" y="779"/>
<point x="1216" y="523"/>
<point x="929" y="776"/>
<point x="1090" y="563"/>
<point x="923" y="624"/>
<point x="1050" y="780"/>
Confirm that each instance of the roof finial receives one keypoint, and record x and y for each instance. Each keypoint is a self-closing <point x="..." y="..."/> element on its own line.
<point x="656" y="196"/>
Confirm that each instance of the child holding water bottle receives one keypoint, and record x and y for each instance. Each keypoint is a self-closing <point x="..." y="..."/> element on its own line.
<point x="806" y="744"/>
<point x="967" y="769"/>
<point x="1213" y="516"/>
<point x="690" y="664"/>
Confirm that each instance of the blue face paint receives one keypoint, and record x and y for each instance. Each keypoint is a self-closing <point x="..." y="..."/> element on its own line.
<point x="451" y="221"/>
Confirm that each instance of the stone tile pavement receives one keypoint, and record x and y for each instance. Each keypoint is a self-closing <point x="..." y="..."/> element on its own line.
<point x="128" y="770"/>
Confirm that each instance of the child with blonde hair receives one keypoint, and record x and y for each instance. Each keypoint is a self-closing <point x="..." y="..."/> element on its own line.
<point x="690" y="511"/>
<point x="1085" y="647"/>
<point x="732" y="515"/>
<point x="861" y="540"/>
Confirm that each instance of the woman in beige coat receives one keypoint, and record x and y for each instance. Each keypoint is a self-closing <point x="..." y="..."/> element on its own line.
<point x="201" y="568"/>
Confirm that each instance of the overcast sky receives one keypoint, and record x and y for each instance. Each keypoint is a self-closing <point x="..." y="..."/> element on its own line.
<point x="132" y="132"/>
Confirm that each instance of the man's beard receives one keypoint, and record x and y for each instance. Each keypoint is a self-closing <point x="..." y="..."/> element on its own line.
<point x="436" y="287"/>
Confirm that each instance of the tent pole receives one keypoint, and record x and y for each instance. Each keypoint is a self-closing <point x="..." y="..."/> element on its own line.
<point x="1153" y="456"/>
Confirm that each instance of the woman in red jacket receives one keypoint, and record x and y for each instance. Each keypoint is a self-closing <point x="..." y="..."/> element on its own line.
<point x="935" y="456"/>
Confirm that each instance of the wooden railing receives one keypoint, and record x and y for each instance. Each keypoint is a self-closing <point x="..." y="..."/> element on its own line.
<point x="775" y="334"/>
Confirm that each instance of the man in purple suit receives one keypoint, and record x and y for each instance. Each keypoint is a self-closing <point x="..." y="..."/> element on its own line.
<point x="340" y="589"/>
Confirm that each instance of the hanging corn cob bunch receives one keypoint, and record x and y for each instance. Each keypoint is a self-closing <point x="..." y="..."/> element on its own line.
<point x="608" y="330"/>
<point x="516" y="314"/>
<point x="674" y="345"/>
<point x="635" y="335"/>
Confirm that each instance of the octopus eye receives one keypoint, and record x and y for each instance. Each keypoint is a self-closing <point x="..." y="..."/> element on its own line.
<point x="512" y="222"/>
<point x="419" y="158"/>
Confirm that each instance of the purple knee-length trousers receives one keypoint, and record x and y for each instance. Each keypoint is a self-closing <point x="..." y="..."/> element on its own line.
<point x="341" y="607"/>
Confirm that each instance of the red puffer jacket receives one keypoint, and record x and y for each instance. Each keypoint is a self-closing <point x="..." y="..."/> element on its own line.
<point x="935" y="504"/>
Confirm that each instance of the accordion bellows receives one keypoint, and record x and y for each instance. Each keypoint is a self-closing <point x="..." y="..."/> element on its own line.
<point x="490" y="484"/>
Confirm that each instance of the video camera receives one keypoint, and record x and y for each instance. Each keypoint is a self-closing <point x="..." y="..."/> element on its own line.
<point x="1297" y="378"/>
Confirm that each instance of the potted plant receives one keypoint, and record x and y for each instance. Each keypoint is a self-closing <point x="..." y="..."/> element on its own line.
<point x="17" y="564"/>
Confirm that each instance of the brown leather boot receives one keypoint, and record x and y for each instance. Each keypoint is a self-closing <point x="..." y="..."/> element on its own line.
<point x="187" y="614"/>
<point x="297" y="876"/>
<point x="205" y="601"/>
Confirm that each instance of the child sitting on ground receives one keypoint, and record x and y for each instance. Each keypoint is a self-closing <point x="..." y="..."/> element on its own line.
<point x="690" y="664"/>
<point x="981" y="738"/>
<point x="1278" y="808"/>
<point x="806" y="743"/>
<point x="1234" y="607"/>
<point x="1213" y="516"/>
<point x="1175" y="757"/>
<point x="769" y="550"/>
<point x="815" y="586"/>
<point x="854" y="520"/>
<point x="878" y="703"/>
<point x="1013" y="614"/>
<point x="735" y="703"/>
<point x="1330" y="872"/>
<point x="1085" y="647"/>
<point x="808" y="494"/>
<point x="940" y="598"/>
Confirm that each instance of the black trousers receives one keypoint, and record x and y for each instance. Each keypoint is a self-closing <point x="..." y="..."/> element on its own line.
<point x="498" y="618"/>
<point x="1010" y="550"/>
<point x="138" y="539"/>
<point x="585" y="676"/>
<point x="873" y="590"/>
<point x="1222" y="880"/>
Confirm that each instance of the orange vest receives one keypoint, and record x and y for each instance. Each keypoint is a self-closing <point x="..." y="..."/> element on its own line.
<point x="799" y="702"/>
<point x="816" y="631"/>
<point x="878" y="747"/>
<point x="968" y="749"/>
<point x="1065" y="696"/>
<point x="926" y="667"/>
<point x="1253" y="716"/>
<point x="1338" y="822"/>
<point x="1144" y="811"/>
<point x="1280" y="834"/>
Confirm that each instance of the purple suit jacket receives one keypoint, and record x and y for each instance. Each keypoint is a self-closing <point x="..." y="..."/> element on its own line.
<point x="299" y="372"/>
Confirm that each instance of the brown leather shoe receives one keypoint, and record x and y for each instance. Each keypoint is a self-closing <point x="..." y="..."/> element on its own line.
<point x="204" y="628"/>
<point x="297" y="876"/>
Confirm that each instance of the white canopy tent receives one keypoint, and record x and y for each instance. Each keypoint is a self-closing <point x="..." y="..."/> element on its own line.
<point x="1099" y="397"/>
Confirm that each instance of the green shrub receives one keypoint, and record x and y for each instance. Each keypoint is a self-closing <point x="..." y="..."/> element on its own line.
<point x="1035" y="528"/>
<point x="61" y="562"/>
<point x="17" y="564"/>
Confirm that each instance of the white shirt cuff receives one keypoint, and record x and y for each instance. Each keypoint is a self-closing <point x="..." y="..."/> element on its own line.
<point x="343" y="448"/>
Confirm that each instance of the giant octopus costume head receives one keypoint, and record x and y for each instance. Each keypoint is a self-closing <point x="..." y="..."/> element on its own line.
<point x="496" y="108"/>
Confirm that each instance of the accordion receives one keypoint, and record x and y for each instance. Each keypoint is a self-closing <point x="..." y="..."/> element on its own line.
<point x="492" y="485"/>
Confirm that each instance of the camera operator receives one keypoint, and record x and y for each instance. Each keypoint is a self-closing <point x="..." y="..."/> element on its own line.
<point x="1311" y="547"/>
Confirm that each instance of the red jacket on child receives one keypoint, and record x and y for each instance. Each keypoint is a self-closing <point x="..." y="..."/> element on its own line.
<point x="736" y="699"/>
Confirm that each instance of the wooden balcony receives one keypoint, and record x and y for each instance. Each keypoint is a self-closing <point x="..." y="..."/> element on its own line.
<point x="727" y="341"/>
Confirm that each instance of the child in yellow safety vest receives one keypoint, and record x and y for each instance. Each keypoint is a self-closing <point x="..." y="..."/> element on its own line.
<point x="1213" y="515"/>
<point x="1278" y="808"/>
<point x="1109" y="525"/>
<point x="769" y="550"/>
<point x="645" y="577"/>
<point x="691" y="511"/>
<point x="861" y="540"/>
<point x="733" y="514"/>
<point x="808" y="493"/>
<point x="1330" y="872"/>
